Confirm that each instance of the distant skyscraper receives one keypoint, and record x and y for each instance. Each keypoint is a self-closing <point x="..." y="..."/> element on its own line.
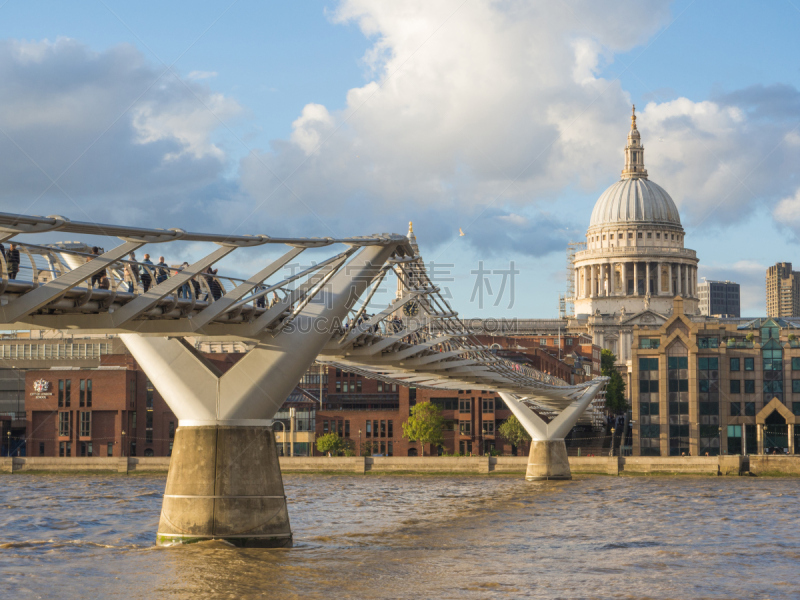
<point x="783" y="291"/>
<point x="719" y="298"/>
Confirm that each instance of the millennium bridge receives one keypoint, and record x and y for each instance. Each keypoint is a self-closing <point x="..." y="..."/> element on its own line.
<point x="224" y="478"/>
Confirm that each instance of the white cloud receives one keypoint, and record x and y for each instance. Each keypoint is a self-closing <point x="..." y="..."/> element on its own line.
<point x="123" y="140"/>
<point x="471" y="106"/>
<point x="201" y="75"/>
<point x="787" y="211"/>
<point x="308" y="129"/>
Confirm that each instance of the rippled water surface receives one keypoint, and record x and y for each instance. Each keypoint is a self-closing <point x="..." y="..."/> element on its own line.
<point x="416" y="537"/>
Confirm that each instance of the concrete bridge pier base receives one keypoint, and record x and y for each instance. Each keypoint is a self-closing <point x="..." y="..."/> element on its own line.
<point x="225" y="483"/>
<point x="548" y="460"/>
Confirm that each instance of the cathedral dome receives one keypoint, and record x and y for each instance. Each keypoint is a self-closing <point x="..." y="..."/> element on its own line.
<point x="635" y="200"/>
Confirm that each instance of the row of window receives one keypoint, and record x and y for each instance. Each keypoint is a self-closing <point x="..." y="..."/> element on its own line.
<point x="347" y="387"/>
<point x="772" y="361"/>
<point x="65" y="393"/>
<point x="621" y="236"/>
<point x="376" y="428"/>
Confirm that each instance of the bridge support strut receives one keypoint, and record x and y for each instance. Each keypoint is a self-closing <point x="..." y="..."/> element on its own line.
<point x="224" y="478"/>
<point x="548" y="458"/>
<point x="225" y="483"/>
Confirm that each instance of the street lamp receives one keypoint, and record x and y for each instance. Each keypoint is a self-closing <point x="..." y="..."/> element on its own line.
<point x="359" y="442"/>
<point x="8" y="443"/>
<point x="611" y="453"/>
<point x="282" y="424"/>
<point x="123" y="442"/>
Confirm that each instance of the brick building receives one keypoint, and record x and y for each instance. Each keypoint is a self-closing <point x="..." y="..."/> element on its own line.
<point x="108" y="410"/>
<point x="716" y="387"/>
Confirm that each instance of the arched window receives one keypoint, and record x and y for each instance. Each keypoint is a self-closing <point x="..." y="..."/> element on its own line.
<point x="149" y="452"/>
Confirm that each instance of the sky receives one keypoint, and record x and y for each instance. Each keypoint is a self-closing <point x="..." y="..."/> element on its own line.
<point x="506" y="120"/>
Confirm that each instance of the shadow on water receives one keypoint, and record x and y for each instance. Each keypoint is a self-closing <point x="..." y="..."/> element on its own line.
<point x="415" y="537"/>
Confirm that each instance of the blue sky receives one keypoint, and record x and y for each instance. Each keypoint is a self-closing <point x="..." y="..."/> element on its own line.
<point x="506" y="119"/>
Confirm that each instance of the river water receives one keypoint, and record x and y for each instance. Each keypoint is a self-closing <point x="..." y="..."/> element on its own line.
<point x="416" y="537"/>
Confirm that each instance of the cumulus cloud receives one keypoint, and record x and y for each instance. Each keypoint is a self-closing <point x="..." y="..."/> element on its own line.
<point x="473" y="111"/>
<point x="123" y="139"/>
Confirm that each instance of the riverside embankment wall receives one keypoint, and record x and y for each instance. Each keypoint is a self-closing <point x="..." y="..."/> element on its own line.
<point x="638" y="465"/>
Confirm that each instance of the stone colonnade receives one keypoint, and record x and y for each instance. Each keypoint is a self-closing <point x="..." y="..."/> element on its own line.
<point x="636" y="279"/>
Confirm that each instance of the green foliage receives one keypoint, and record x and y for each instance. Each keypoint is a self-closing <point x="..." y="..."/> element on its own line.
<point x="369" y="448"/>
<point x="513" y="431"/>
<point x="750" y="337"/>
<point x="424" y="425"/>
<point x="615" y="388"/>
<point x="330" y="442"/>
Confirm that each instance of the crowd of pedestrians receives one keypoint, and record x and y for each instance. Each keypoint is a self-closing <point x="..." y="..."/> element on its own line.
<point x="11" y="257"/>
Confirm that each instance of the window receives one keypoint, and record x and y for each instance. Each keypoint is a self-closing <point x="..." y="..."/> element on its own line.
<point x="678" y="404"/>
<point x="749" y="386"/>
<point x="796" y="363"/>
<point x="82" y="393"/>
<point x="465" y="427"/>
<point x="649" y="235"/>
<point x="658" y="236"/>
<point x="368" y="429"/>
<point x="750" y="364"/>
<point x="464" y="406"/>
<point x="148" y="431"/>
<point x="543" y="341"/>
<point x="796" y="408"/>
<point x="60" y="393"/>
<point x="65" y="448"/>
<point x="736" y="386"/>
<point x="630" y="235"/>
<point x="488" y="406"/>
<point x="735" y="364"/>
<point x="172" y="430"/>
<point x="390" y="449"/>
<point x="346" y="428"/>
<point x="445" y="403"/>
<point x="488" y="427"/>
<point x="734" y="439"/>
<point x="708" y="342"/>
<point x="149" y="397"/>
<point x="358" y="386"/>
<point x="772" y="356"/>
<point x="749" y="409"/>
<point x="86" y="424"/>
<point x="67" y="392"/>
<point x="344" y="387"/>
<point x="340" y="428"/>
<point x="133" y="448"/>
<point x="736" y="409"/>
<point x="390" y="425"/>
<point x="649" y="343"/>
<point x="380" y="386"/>
<point x="374" y="429"/>
<point x="338" y="387"/>
<point x="133" y="419"/>
<point x="325" y="427"/>
<point x="63" y="424"/>
<point x="110" y="449"/>
<point x="383" y="428"/>
<point x="41" y="448"/>
<point x="88" y="393"/>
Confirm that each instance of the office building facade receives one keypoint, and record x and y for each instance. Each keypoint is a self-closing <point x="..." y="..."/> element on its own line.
<point x="719" y="298"/>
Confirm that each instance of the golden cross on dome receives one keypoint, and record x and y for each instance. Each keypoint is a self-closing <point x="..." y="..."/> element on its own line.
<point x="633" y="117"/>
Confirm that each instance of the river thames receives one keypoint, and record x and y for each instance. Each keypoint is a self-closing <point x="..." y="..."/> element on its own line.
<point x="416" y="537"/>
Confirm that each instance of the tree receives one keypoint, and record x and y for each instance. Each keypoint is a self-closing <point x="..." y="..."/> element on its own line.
<point x="513" y="431"/>
<point x="424" y="425"/>
<point x="330" y="442"/>
<point x="615" y="388"/>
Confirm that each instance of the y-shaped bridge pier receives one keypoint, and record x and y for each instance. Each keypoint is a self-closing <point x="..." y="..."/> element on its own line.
<point x="224" y="480"/>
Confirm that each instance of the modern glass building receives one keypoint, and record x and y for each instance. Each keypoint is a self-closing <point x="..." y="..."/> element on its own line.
<point x="719" y="298"/>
